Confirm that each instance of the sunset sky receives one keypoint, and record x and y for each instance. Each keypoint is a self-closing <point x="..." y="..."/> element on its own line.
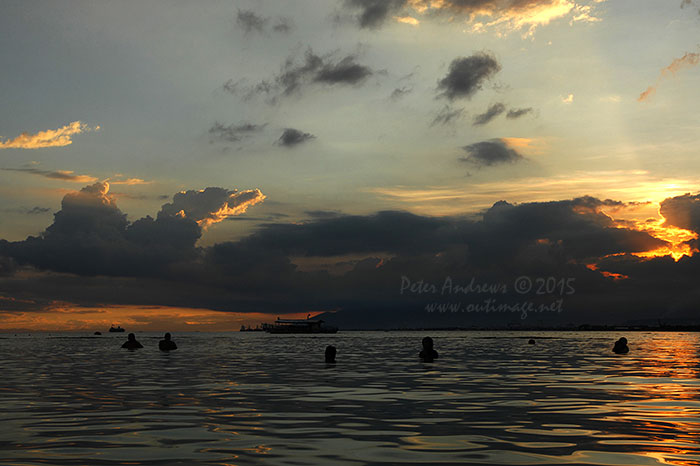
<point x="199" y="165"/>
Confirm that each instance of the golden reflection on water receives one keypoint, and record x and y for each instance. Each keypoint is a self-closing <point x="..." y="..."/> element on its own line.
<point x="495" y="400"/>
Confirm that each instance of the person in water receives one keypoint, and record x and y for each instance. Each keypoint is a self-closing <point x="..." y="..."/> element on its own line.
<point x="131" y="343"/>
<point x="621" y="346"/>
<point x="167" y="344"/>
<point x="531" y="342"/>
<point x="428" y="354"/>
<point x="330" y="354"/>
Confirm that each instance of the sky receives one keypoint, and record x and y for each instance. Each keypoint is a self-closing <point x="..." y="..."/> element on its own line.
<point x="199" y="166"/>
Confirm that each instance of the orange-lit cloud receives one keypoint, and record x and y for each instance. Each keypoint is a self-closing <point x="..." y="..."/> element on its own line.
<point x="507" y="15"/>
<point x="212" y="205"/>
<point x="49" y="138"/>
<point x="95" y="194"/>
<point x="407" y="20"/>
<point x="128" y="181"/>
<point x="677" y="239"/>
<point x="687" y="60"/>
<point x="62" y="316"/>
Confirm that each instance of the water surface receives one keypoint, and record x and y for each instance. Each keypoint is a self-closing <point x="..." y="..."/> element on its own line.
<point x="247" y="398"/>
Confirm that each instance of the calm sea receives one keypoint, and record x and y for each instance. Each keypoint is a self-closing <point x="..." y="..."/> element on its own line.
<point x="250" y="398"/>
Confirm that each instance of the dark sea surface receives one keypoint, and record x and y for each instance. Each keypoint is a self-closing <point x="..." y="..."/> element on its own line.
<point x="252" y="398"/>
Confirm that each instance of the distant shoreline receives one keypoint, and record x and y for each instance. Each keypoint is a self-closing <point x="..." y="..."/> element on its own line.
<point x="596" y="328"/>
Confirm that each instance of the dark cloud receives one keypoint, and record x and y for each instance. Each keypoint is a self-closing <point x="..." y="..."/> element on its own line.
<point x="372" y="13"/>
<point x="28" y="211"/>
<point x="234" y="133"/>
<point x="314" y="69"/>
<point x="399" y="92"/>
<point x="249" y="21"/>
<point x="322" y="213"/>
<point x="210" y="205"/>
<point x="346" y="71"/>
<point x="489" y="153"/>
<point x="682" y="211"/>
<point x="518" y="112"/>
<point x="157" y="262"/>
<point x="91" y="236"/>
<point x="38" y="210"/>
<point x="492" y="112"/>
<point x="64" y="175"/>
<point x="283" y="25"/>
<point x="447" y="115"/>
<point x="292" y="137"/>
<point x="466" y="75"/>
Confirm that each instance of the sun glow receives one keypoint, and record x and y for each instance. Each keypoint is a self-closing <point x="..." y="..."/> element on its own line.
<point x="677" y="238"/>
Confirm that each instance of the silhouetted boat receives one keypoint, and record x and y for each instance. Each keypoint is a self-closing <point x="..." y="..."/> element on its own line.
<point x="299" y="326"/>
<point x="116" y="329"/>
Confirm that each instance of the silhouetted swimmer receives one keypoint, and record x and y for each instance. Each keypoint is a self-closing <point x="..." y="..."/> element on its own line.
<point x="621" y="346"/>
<point x="428" y="354"/>
<point x="167" y="344"/>
<point x="531" y="342"/>
<point x="330" y="354"/>
<point x="131" y="343"/>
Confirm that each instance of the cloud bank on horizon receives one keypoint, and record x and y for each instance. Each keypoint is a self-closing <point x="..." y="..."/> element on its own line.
<point x="91" y="247"/>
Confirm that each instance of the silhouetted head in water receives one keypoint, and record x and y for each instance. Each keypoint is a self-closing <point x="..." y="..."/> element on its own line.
<point x="330" y="354"/>
<point x="621" y="346"/>
<point x="131" y="342"/>
<point x="531" y="342"/>
<point x="167" y="344"/>
<point x="428" y="354"/>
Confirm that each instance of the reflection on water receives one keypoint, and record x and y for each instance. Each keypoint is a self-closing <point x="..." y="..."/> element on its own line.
<point x="241" y="398"/>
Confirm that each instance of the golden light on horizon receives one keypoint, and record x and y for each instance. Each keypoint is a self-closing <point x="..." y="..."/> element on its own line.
<point x="61" y="316"/>
<point x="677" y="238"/>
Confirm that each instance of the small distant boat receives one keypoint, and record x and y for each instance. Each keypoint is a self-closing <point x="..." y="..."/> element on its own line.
<point x="299" y="326"/>
<point x="118" y="328"/>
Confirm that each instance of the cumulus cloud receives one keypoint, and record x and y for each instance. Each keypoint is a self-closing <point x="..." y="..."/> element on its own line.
<point x="518" y="112"/>
<point x="63" y="175"/>
<point x="687" y="60"/>
<point x="328" y="70"/>
<point x="211" y="205"/>
<point x="234" y="133"/>
<point x="90" y="235"/>
<point x="489" y="153"/>
<point x="50" y="138"/>
<point x="447" y="115"/>
<point x="492" y="112"/>
<point x="466" y="75"/>
<point x="682" y="211"/>
<point x="156" y="262"/>
<point x="292" y="137"/>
